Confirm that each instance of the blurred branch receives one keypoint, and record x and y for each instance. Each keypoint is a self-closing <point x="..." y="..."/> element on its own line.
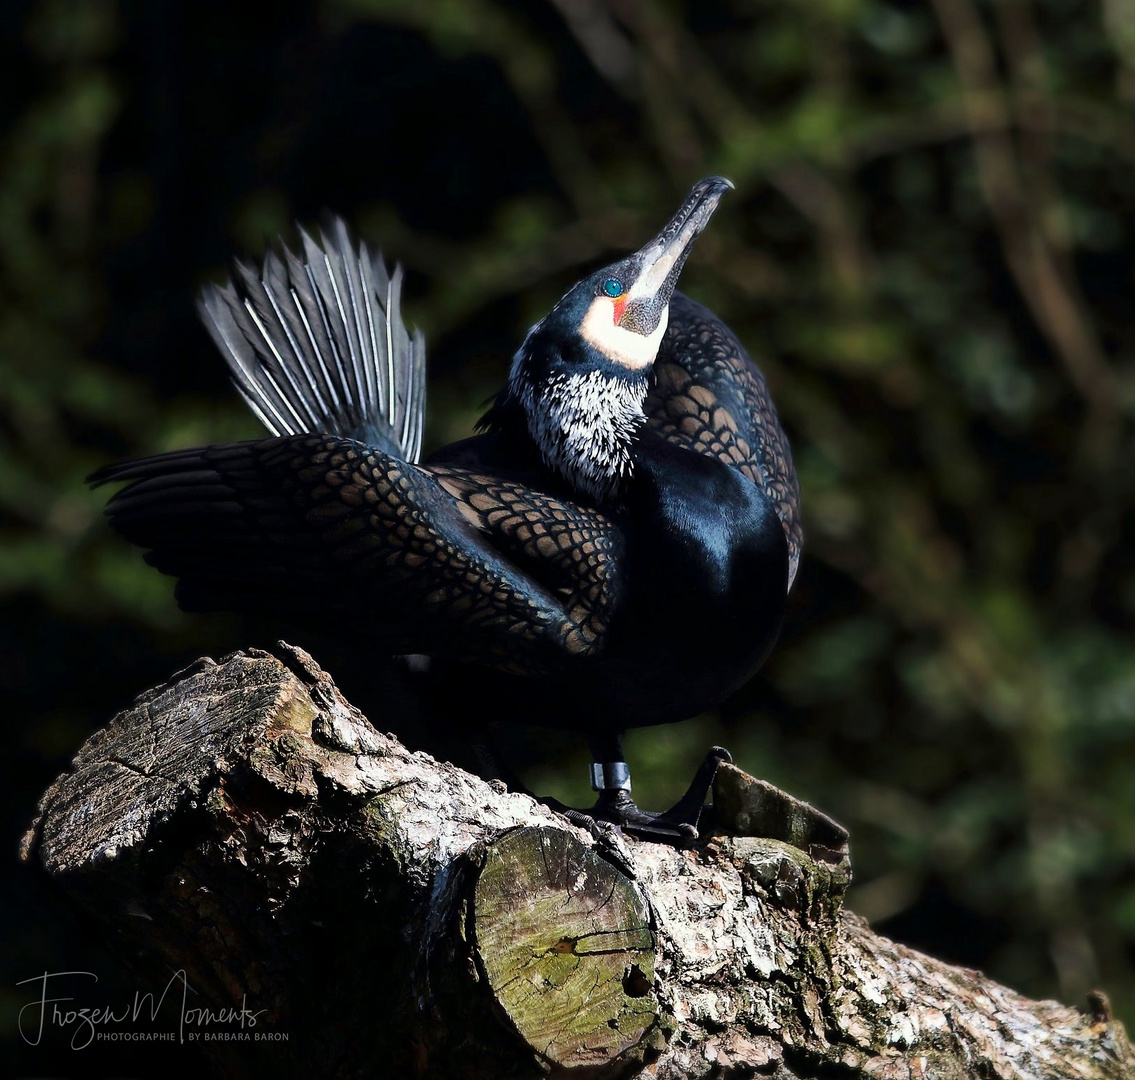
<point x="825" y="205"/>
<point x="528" y="63"/>
<point x="1029" y="217"/>
<point x="1085" y="121"/>
<point x="1050" y="294"/>
<point x="1119" y="23"/>
<point x="1032" y="100"/>
<point x="601" y="39"/>
<point x="689" y="71"/>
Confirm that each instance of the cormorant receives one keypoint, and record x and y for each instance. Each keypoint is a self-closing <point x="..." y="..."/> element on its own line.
<point x="616" y="543"/>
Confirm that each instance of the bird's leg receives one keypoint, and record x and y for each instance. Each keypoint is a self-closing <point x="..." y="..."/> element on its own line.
<point x="611" y="777"/>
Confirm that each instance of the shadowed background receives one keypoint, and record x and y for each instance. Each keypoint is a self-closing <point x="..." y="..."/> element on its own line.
<point x="931" y="253"/>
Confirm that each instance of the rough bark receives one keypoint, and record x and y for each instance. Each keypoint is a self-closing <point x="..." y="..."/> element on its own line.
<point x="395" y="916"/>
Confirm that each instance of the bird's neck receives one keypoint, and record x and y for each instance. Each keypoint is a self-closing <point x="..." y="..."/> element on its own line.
<point x="585" y="426"/>
<point x="581" y="410"/>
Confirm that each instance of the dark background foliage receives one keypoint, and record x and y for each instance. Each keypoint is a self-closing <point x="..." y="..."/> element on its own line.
<point x="930" y="251"/>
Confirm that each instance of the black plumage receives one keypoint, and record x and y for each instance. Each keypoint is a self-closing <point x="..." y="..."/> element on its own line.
<point x="614" y="547"/>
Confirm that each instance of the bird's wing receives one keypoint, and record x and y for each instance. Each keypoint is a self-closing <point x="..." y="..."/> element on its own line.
<point x="423" y="559"/>
<point x="570" y="549"/>
<point x="319" y="344"/>
<point x="709" y="396"/>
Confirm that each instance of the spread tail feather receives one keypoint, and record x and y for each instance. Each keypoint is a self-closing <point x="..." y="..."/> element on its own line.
<point x="318" y="344"/>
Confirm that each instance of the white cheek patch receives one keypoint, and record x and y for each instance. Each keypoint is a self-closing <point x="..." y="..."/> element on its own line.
<point x="633" y="351"/>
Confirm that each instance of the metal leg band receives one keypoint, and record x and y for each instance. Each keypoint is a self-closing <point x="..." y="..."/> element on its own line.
<point x="610" y="776"/>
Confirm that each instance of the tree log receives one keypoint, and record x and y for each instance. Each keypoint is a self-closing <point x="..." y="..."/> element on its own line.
<point x="310" y="879"/>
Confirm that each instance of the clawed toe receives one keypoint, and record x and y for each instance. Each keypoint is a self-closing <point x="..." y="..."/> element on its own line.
<point x="678" y="825"/>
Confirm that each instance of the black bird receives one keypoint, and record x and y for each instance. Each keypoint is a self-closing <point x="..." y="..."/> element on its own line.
<point x="615" y="546"/>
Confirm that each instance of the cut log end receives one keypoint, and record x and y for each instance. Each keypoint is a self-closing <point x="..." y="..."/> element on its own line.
<point x="565" y="942"/>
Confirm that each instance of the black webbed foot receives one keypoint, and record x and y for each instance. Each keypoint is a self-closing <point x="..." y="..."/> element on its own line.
<point x="678" y="825"/>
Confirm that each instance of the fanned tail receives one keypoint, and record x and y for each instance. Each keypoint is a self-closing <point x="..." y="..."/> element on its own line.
<point x="318" y="344"/>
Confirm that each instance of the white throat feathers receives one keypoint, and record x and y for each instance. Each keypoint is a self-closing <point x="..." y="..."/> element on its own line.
<point x="584" y="425"/>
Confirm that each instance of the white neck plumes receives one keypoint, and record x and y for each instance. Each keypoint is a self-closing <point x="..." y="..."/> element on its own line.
<point x="584" y="425"/>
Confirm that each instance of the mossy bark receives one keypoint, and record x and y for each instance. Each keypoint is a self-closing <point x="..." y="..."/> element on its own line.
<point x="396" y="916"/>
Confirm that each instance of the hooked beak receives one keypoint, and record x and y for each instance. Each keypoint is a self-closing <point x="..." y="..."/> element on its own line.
<point x="661" y="260"/>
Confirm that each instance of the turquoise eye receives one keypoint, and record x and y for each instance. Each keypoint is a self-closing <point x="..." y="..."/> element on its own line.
<point x="612" y="287"/>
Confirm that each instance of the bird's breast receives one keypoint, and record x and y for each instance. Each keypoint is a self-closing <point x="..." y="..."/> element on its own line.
<point x="706" y="574"/>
